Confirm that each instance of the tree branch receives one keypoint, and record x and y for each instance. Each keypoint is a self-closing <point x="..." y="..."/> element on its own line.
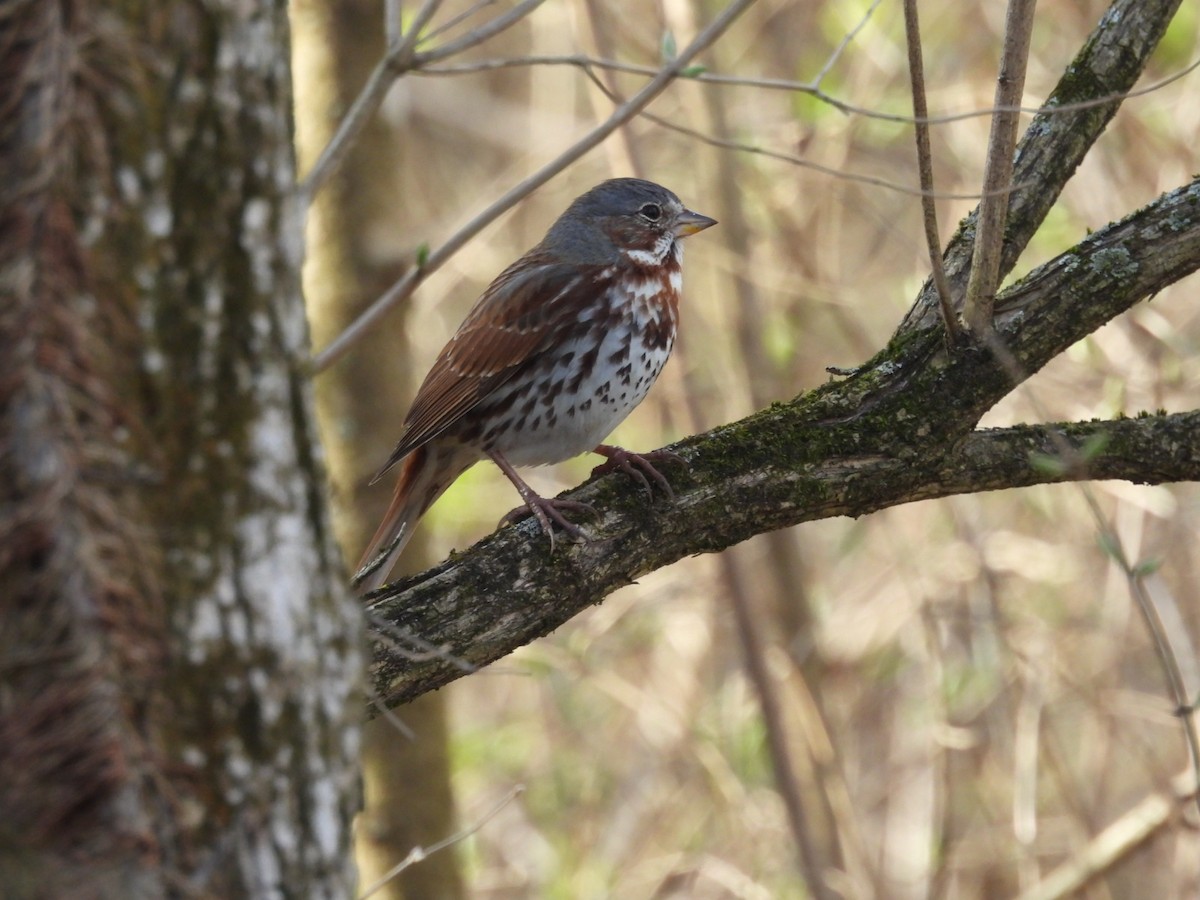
<point x="899" y="430"/>
<point x="1055" y="143"/>
<point x="933" y="242"/>
<point x="997" y="175"/>
<point x="622" y="114"/>
<point x="505" y="591"/>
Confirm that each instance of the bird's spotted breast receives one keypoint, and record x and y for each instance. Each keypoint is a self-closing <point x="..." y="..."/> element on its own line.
<point x="602" y="367"/>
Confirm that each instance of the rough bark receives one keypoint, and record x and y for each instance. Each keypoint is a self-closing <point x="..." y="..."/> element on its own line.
<point x="177" y="703"/>
<point x="336" y="44"/>
<point x="267" y="650"/>
<point x="1073" y="117"/>
<point x="80" y="617"/>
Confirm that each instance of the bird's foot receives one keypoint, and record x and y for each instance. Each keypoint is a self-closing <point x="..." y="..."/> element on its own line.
<point x="545" y="510"/>
<point x="638" y="465"/>
<point x="549" y="511"/>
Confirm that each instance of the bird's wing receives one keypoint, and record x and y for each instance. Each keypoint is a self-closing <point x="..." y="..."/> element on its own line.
<point x="522" y="311"/>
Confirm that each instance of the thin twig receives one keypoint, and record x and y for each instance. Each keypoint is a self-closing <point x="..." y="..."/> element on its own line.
<point x="933" y="243"/>
<point x="803" y="163"/>
<point x="479" y="35"/>
<point x="361" y="110"/>
<point x="419" y="853"/>
<point x="801" y="87"/>
<point x="460" y="17"/>
<point x="1114" y="843"/>
<point x="391" y="21"/>
<point x="1071" y="460"/>
<point x="845" y="42"/>
<point x="993" y="208"/>
<point x="1158" y="634"/>
<point x="401" y="57"/>
<point x="626" y="111"/>
<point x="395" y="62"/>
<point x="789" y="158"/>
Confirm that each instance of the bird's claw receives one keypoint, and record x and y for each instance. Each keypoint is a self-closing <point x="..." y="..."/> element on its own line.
<point x="638" y="465"/>
<point x="549" y="510"/>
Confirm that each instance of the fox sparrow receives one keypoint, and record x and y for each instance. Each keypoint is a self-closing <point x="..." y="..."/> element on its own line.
<point x="554" y="355"/>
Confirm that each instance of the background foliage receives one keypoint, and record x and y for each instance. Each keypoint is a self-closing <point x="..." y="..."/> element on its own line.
<point x="968" y="694"/>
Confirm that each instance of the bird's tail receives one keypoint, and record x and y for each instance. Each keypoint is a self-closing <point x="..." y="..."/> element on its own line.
<point x="424" y="476"/>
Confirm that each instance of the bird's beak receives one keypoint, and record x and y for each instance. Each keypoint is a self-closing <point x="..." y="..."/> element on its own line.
<point x="688" y="222"/>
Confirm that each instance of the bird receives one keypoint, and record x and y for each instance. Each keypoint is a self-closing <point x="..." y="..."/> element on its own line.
<point x="554" y="355"/>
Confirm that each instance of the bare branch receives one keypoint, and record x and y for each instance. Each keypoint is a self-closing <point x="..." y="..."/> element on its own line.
<point x="530" y="595"/>
<point x="845" y="42"/>
<point x="391" y="21"/>
<point x="848" y="448"/>
<point x="480" y="34"/>
<point x="1158" y="633"/>
<point x="400" y="58"/>
<point x="1108" y="66"/>
<point x="460" y="17"/>
<point x="802" y="87"/>
<point x="626" y="111"/>
<point x="356" y="119"/>
<point x="933" y="242"/>
<point x="803" y="163"/>
<point x="997" y="177"/>
<point x="1054" y="144"/>
<point x="1115" y="843"/>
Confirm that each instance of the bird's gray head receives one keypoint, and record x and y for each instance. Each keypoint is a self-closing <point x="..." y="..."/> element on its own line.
<point x="623" y="217"/>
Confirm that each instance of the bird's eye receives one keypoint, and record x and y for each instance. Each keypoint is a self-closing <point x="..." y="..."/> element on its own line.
<point x="651" y="211"/>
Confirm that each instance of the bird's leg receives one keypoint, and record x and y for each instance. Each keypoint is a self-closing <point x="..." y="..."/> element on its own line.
<point x="544" y="509"/>
<point x="638" y="465"/>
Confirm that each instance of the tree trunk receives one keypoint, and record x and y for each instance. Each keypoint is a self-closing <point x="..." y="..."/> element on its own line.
<point x="360" y="404"/>
<point x="181" y="660"/>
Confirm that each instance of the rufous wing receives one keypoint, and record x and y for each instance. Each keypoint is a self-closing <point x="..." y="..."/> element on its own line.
<point x="522" y="312"/>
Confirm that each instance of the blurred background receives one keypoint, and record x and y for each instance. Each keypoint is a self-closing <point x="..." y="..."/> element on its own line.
<point x="965" y="694"/>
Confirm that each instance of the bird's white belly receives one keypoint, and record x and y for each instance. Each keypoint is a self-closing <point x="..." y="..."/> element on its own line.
<point x="593" y="397"/>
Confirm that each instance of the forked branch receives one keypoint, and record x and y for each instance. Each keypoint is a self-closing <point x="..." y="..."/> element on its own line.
<point x="901" y="429"/>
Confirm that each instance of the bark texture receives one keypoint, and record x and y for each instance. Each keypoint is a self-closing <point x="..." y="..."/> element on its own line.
<point x="180" y="658"/>
<point x="336" y="45"/>
<point x="80" y="613"/>
<point x="1073" y="117"/>
<point x="267" y="646"/>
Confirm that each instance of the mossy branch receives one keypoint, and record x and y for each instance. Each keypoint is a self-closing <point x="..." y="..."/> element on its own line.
<point x="902" y="428"/>
<point x="1058" y="138"/>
